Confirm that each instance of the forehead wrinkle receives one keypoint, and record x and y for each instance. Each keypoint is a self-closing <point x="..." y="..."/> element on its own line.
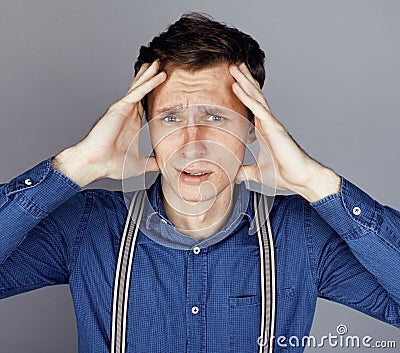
<point x="191" y="87"/>
<point x="183" y="78"/>
<point x="211" y="86"/>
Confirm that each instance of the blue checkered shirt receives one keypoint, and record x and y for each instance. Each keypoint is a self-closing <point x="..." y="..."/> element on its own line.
<point x="344" y="248"/>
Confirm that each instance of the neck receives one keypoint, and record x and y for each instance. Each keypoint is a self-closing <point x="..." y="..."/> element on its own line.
<point x="199" y="219"/>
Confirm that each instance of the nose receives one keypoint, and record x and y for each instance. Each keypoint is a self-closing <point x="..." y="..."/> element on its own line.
<point x="194" y="147"/>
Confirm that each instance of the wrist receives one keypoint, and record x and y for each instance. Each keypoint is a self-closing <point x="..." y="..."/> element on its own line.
<point x="324" y="182"/>
<point x="73" y="164"/>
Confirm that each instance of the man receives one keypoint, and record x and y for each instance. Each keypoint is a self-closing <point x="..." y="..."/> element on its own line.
<point x="195" y="278"/>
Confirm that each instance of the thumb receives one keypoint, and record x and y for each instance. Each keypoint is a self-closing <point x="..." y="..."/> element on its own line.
<point x="152" y="165"/>
<point x="247" y="172"/>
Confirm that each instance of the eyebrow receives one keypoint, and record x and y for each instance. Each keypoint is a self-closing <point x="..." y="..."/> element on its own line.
<point x="209" y="109"/>
<point x="172" y="109"/>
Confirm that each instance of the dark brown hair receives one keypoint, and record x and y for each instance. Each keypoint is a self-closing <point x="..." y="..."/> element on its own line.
<point x="197" y="41"/>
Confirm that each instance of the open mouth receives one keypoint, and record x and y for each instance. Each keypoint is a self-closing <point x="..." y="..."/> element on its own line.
<point x="195" y="173"/>
<point x="194" y="176"/>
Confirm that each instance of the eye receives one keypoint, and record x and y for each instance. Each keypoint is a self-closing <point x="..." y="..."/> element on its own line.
<point x="170" y="119"/>
<point x="215" y="118"/>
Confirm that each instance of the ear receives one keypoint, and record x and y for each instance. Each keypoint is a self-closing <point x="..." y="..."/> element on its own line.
<point x="251" y="134"/>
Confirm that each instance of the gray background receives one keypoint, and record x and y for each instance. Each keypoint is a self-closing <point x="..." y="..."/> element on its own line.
<point x="333" y="81"/>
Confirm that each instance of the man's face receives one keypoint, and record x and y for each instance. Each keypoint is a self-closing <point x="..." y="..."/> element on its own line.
<point x="200" y="146"/>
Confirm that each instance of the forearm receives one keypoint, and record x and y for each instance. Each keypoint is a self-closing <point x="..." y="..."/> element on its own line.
<point x="323" y="182"/>
<point x="73" y="163"/>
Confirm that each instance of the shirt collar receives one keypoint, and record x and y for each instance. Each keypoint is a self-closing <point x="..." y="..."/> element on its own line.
<point x="158" y="225"/>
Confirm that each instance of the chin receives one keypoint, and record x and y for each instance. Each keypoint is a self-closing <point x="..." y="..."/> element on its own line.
<point x="196" y="193"/>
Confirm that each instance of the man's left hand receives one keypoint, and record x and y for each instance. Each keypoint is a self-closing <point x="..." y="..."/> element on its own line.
<point x="281" y="163"/>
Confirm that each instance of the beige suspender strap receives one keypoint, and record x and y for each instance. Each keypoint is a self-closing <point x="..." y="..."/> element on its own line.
<point x="267" y="273"/>
<point x="125" y="262"/>
<point x="123" y="273"/>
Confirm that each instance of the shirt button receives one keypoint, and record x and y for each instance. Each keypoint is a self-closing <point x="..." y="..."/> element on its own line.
<point x="196" y="250"/>
<point x="195" y="310"/>
<point x="28" y="182"/>
<point x="356" y="210"/>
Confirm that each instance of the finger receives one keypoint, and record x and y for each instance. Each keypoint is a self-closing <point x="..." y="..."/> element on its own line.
<point x="136" y="94"/>
<point x="146" y="67"/>
<point x="243" y="67"/>
<point x="258" y="109"/>
<point x="253" y="104"/>
<point x="148" y="73"/>
<point x="140" y="110"/>
<point x="138" y="75"/>
<point x="152" y="165"/>
<point x="140" y="72"/>
<point x="247" y="84"/>
<point x="136" y="165"/>
<point x="247" y="173"/>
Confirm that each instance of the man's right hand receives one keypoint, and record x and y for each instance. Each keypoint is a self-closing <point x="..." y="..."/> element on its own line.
<point x="102" y="152"/>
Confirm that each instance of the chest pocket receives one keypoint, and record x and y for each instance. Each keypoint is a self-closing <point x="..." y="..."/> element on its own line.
<point x="244" y="323"/>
